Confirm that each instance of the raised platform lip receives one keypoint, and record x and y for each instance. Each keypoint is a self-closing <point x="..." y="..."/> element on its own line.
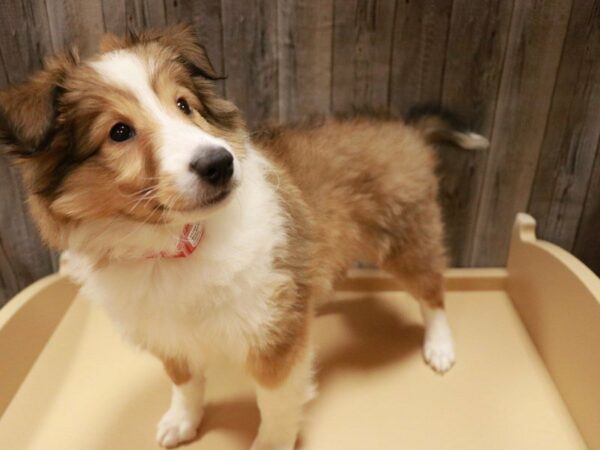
<point x="524" y="232"/>
<point x="557" y="298"/>
<point x="456" y="279"/>
<point x="488" y="278"/>
<point x="24" y="296"/>
<point x="26" y="324"/>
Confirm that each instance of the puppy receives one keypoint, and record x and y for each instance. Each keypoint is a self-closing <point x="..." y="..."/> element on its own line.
<point x="202" y="240"/>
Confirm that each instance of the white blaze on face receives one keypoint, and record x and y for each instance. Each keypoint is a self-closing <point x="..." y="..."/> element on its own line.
<point x="179" y="142"/>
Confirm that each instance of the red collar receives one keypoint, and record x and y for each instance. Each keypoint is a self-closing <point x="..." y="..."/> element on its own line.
<point x="189" y="239"/>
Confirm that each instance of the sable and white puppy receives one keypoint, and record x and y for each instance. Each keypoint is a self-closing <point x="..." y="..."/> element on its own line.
<point x="201" y="240"/>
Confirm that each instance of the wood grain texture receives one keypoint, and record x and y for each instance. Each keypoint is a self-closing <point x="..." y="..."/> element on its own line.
<point x="525" y="73"/>
<point x="20" y="52"/>
<point x="587" y="242"/>
<point x="141" y="14"/>
<point x="534" y="48"/>
<point x="23" y="258"/>
<point x="250" y="49"/>
<point x="362" y="47"/>
<point x="474" y="59"/>
<point x="418" y="54"/>
<point x="119" y="15"/>
<point x="74" y="22"/>
<point x="565" y="161"/>
<point x="304" y="57"/>
<point x="155" y="13"/>
<point x="37" y="14"/>
<point x="9" y="280"/>
<point x="205" y="17"/>
<point x="114" y="13"/>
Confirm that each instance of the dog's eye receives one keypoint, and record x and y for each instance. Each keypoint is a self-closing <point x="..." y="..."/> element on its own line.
<point x="121" y="132"/>
<point x="183" y="105"/>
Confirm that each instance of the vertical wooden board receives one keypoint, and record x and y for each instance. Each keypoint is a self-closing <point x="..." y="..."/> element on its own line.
<point x="175" y="13"/>
<point x="20" y="49"/>
<point x="24" y="34"/>
<point x="76" y="23"/>
<point x="573" y="129"/>
<point x="23" y="257"/>
<point x="56" y="21"/>
<point x="115" y="17"/>
<point x="4" y="80"/>
<point x="534" y="47"/>
<point x="9" y="281"/>
<point x="362" y="48"/>
<point x="587" y="242"/>
<point x="418" y="53"/>
<point x="250" y="54"/>
<point x="474" y="57"/>
<point x="37" y="14"/>
<point x="304" y="45"/>
<point x="3" y="73"/>
<point x="134" y="15"/>
<point x="142" y="14"/>
<point x="205" y="17"/>
<point x="155" y="14"/>
<point x="134" y="12"/>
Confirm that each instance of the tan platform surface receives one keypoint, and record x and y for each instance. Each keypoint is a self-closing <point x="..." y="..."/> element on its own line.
<point x="89" y="390"/>
<point x="527" y="376"/>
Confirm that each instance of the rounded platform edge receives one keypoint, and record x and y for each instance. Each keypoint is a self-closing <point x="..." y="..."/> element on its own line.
<point x="13" y="306"/>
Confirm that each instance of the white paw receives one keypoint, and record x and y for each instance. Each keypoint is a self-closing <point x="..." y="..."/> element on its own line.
<point x="177" y="426"/>
<point x="438" y="352"/>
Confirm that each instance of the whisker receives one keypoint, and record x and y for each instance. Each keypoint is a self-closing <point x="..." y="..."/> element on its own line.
<point x="144" y="199"/>
<point x="136" y="193"/>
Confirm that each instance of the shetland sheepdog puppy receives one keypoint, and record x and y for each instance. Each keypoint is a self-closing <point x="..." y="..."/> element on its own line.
<point x="202" y="240"/>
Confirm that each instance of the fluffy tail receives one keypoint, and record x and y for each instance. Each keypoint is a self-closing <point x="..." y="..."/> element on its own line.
<point x="439" y="125"/>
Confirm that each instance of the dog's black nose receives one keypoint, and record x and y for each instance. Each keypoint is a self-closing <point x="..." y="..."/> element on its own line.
<point x="214" y="165"/>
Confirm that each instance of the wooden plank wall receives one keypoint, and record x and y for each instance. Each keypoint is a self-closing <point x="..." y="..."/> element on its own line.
<point x="526" y="73"/>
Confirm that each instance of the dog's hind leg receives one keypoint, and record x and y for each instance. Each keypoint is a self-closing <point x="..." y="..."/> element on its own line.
<point x="419" y="261"/>
<point x="438" y="348"/>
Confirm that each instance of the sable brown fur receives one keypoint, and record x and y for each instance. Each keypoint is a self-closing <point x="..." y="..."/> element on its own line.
<point x="359" y="188"/>
<point x="356" y="188"/>
<point x="177" y="369"/>
<point x="271" y="360"/>
<point x="371" y="188"/>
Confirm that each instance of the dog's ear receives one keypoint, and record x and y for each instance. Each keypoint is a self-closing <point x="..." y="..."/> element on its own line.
<point x="184" y="41"/>
<point x="28" y="110"/>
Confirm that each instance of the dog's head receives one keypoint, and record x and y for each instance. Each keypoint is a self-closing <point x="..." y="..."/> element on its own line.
<point x="136" y="131"/>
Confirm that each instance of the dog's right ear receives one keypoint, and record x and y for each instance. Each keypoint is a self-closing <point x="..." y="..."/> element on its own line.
<point x="28" y="110"/>
<point x="183" y="39"/>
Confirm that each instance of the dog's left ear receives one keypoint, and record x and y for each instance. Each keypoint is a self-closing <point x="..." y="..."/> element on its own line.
<point x="184" y="41"/>
<point x="28" y="110"/>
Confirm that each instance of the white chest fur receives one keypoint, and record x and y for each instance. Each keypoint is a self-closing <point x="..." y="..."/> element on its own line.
<point x="211" y="303"/>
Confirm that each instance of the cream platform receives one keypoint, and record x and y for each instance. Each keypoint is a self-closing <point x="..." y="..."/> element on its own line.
<point x="527" y="376"/>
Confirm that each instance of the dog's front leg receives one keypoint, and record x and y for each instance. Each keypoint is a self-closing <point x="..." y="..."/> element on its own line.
<point x="180" y="423"/>
<point x="281" y="394"/>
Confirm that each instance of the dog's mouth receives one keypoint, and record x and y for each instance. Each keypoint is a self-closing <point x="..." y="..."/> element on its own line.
<point x="205" y="203"/>
<point x="158" y="212"/>
<point x="215" y="199"/>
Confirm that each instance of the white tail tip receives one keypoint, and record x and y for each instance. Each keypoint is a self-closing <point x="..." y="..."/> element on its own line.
<point x="471" y="141"/>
